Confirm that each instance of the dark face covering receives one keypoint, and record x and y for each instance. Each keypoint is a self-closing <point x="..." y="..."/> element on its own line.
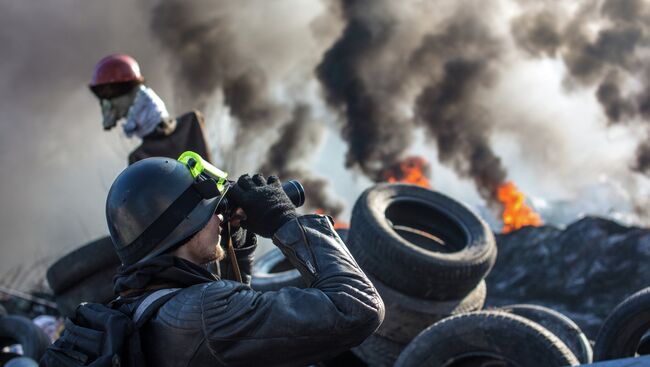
<point x="164" y="271"/>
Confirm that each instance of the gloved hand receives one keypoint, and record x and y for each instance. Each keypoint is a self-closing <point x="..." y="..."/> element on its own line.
<point x="241" y="238"/>
<point x="266" y="205"/>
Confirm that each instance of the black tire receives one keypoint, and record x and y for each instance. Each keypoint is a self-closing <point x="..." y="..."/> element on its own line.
<point x="272" y="271"/>
<point x="484" y="337"/>
<point x="21" y="362"/>
<point x="6" y="357"/>
<point x="377" y="351"/>
<point x="21" y="330"/>
<point x="400" y="232"/>
<point x="406" y="316"/>
<point x="623" y="330"/>
<point x="560" y="325"/>
<point x="644" y="345"/>
<point x="97" y="288"/>
<point x="82" y="263"/>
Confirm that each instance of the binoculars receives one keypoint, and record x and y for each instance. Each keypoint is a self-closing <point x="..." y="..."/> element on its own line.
<point x="293" y="189"/>
<point x="199" y="166"/>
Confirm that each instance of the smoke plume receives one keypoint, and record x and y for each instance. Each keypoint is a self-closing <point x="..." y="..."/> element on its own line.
<point x="199" y="37"/>
<point x="209" y="59"/>
<point x="602" y="44"/>
<point x="58" y="162"/>
<point x="376" y="136"/>
<point x="437" y="79"/>
<point x="460" y="57"/>
<point x="287" y="159"/>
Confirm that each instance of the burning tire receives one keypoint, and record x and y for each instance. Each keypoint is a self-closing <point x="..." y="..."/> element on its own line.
<point x="81" y="263"/>
<point x="21" y="330"/>
<point x="486" y="338"/>
<point x="560" y="325"/>
<point x="272" y="271"/>
<point x="624" y="332"/>
<point x="420" y="242"/>
<point x="378" y="351"/>
<point x="406" y="316"/>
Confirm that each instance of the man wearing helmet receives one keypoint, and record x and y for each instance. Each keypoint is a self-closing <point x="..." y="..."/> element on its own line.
<point x="165" y="224"/>
<point x="119" y="85"/>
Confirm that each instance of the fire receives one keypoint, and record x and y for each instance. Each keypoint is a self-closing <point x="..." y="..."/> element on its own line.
<point x="516" y="213"/>
<point x="341" y="225"/>
<point x="338" y="224"/>
<point x="413" y="170"/>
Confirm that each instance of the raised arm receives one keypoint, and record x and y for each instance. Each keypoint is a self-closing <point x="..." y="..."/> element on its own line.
<point x="295" y="326"/>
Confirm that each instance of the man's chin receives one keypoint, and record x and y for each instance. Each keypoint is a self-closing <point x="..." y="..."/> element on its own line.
<point x="219" y="253"/>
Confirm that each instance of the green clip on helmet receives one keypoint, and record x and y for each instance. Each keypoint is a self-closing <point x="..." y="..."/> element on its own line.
<point x="157" y="204"/>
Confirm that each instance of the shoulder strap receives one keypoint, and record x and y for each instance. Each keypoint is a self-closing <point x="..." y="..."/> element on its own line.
<point x="151" y="304"/>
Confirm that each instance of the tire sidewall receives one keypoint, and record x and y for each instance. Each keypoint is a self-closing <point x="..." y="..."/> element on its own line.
<point x="489" y="333"/>
<point x="396" y="262"/>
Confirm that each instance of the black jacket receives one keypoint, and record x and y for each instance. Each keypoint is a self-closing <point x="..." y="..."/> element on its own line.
<point x="225" y="323"/>
<point x="187" y="135"/>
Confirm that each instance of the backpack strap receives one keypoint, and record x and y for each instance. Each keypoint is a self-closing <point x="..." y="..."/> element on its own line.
<point x="151" y="304"/>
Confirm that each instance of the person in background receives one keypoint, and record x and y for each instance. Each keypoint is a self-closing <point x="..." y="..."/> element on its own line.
<point x="120" y="87"/>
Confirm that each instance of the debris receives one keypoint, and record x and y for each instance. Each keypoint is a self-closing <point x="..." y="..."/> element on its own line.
<point x="583" y="271"/>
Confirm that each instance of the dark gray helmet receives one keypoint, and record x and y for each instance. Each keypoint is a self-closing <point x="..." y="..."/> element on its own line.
<point x="155" y="205"/>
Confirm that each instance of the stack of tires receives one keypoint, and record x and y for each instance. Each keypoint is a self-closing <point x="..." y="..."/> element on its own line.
<point x="84" y="275"/>
<point x="426" y="254"/>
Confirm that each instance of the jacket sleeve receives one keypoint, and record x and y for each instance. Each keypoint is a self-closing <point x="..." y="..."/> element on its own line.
<point x="295" y="326"/>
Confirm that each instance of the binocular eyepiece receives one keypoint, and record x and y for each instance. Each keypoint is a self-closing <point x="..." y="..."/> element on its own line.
<point x="293" y="188"/>
<point x="202" y="169"/>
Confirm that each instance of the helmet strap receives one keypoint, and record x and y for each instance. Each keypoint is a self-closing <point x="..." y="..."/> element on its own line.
<point x="231" y="254"/>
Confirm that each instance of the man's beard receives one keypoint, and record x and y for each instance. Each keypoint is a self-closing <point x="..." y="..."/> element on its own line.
<point x="219" y="253"/>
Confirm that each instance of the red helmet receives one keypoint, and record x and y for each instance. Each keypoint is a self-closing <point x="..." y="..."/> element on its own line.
<point x="115" y="74"/>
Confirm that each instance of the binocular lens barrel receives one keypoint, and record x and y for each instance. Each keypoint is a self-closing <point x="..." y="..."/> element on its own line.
<point x="295" y="192"/>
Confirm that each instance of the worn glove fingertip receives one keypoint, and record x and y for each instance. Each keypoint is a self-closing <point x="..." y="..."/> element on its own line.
<point x="245" y="182"/>
<point x="259" y="180"/>
<point x="273" y="180"/>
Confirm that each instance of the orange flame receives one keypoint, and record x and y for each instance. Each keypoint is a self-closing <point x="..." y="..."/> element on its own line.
<point x="338" y="224"/>
<point x="341" y="225"/>
<point x="516" y="213"/>
<point x="411" y="170"/>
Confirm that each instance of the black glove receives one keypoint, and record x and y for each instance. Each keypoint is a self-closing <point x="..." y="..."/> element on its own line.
<point x="266" y="205"/>
<point x="241" y="238"/>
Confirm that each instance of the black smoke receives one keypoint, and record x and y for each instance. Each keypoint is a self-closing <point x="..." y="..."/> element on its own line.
<point x="461" y="57"/>
<point x="287" y="159"/>
<point x="200" y="41"/>
<point x="375" y="136"/>
<point x="447" y="70"/>
<point x="52" y="120"/>
<point x="611" y="58"/>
